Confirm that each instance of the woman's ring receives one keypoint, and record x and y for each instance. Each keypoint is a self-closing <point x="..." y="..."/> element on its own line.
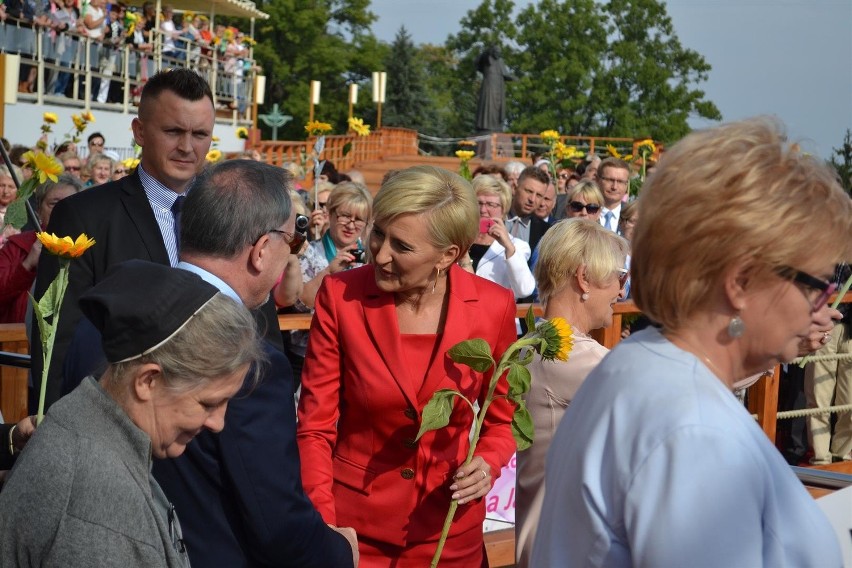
<point x="825" y="337"/>
<point x="484" y="475"/>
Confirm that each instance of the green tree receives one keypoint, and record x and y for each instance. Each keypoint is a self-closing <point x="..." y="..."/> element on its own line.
<point x="491" y="23"/>
<point x="842" y="162"/>
<point x="646" y="88"/>
<point x="611" y="68"/>
<point x="322" y="40"/>
<point x="408" y="102"/>
<point x="560" y="57"/>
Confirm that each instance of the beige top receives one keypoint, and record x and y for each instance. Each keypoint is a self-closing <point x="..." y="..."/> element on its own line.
<point x="554" y="384"/>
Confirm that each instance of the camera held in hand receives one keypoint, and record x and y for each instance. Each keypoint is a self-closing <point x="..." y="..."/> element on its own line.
<point x="302" y="223"/>
<point x="358" y="254"/>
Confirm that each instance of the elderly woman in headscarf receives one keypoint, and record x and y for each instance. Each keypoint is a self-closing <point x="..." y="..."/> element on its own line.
<point x="81" y="492"/>
<point x="656" y="463"/>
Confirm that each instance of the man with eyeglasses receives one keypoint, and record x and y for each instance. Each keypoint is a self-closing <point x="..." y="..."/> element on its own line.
<point x="613" y="177"/>
<point x="239" y="492"/>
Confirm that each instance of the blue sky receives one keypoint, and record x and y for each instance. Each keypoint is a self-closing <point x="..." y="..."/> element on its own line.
<point x="789" y="58"/>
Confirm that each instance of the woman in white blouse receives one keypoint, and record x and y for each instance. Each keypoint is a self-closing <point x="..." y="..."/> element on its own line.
<point x="496" y="255"/>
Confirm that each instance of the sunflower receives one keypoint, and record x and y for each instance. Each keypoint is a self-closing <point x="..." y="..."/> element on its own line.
<point x="79" y="122"/>
<point x="465" y="154"/>
<point x="214" y="156"/>
<point x="214" y="138"/>
<point x="646" y="147"/>
<point x="549" y="136"/>
<point x="316" y="128"/>
<point x="242" y="133"/>
<point x="358" y="126"/>
<point x="65" y="247"/>
<point x="43" y="165"/>
<point x="50" y="118"/>
<point x="130" y="163"/>
<point x="557" y="339"/>
<point x="88" y="116"/>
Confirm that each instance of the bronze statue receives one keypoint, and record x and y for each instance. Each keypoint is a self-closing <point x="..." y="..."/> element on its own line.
<point x="491" y="110"/>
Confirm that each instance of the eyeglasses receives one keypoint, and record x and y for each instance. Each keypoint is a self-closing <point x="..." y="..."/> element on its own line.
<point x="120" y="171"/>
<point x="614" y="181"/>
<point x="623" y="275"/>
<point x="95" y="143"/>
<point x="590" y="208"/>
<point x="345" y="219"/>
<point x="564" y="176"/>
<point x="824" y="287"/>
<point x="295" y="240"/>
<point x="72" y="168"/>
<point x="490" y="204"/>
<point x="322" y="204"/>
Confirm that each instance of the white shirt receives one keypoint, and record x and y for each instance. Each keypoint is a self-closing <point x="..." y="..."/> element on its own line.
<point x="656" y="463"/>
<point x="616" y="215"/>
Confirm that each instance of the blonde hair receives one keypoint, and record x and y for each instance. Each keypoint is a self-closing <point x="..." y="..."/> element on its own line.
<point x="728" y="196"/>
<point x="352" y="195"/>
<point x="588" y="190"/>
<point x="490" y="185"/>
<point x="445" y="199"/>
<point x="572" y="243"/>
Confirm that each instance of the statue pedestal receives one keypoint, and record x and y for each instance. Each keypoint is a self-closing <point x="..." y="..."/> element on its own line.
<point x="496" y="145"/>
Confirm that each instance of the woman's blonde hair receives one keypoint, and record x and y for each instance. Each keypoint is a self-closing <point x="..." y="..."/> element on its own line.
<point x="490" y="185"/>
<point x="739" y="194"/>
<point x="588" y="190"/>
<point x="445" y="199"/>
<point x="352" y="195"/>
<point x="572" y="243"/>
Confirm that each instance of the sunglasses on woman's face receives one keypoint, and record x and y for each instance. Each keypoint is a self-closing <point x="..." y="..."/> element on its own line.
<point x="591" y="209"/>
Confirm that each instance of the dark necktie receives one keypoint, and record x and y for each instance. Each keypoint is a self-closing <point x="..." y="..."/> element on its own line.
<point x="176" y="207"/>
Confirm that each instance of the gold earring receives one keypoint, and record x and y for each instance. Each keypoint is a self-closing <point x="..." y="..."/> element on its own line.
<point x="435" y="283"/>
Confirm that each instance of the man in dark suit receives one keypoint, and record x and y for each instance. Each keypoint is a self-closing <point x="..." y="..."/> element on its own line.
<point x="239" y="493"/>
<point x="522" y="223"/>
<point x="133" y="217"/>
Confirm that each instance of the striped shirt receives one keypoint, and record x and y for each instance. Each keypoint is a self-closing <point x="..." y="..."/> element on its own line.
<point x="161" y="199"/>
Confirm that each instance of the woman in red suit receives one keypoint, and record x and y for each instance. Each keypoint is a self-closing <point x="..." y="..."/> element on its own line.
<point x="377" y="353"/>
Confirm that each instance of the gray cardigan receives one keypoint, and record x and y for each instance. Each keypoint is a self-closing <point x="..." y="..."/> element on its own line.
<point x="80" y="494"/>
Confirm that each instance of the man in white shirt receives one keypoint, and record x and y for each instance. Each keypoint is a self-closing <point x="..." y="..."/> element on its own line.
<point x="613" y="179"/>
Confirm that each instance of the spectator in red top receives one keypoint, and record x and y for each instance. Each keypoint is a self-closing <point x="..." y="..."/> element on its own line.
<point x="19" y="257"/>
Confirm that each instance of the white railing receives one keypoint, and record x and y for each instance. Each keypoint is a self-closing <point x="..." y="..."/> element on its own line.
<point x="80" y="64"/>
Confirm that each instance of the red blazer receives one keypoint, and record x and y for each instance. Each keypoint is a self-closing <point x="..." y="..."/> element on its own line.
<point x="359" y="412"/>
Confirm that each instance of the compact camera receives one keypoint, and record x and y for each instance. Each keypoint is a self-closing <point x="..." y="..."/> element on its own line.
<point x="302" y="223"/>
<point x="358" y="254"/>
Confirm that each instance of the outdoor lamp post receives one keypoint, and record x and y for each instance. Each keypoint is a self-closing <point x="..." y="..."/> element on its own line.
<point x="379" y="82"/>
<point x="314" y="100"/>
<point x="353" y="97"/>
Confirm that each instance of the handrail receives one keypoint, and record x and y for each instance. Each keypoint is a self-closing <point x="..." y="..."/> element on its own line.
<point x="81" y="57"/>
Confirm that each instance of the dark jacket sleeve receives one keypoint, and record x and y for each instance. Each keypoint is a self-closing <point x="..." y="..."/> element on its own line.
<point x="259" y="449"/>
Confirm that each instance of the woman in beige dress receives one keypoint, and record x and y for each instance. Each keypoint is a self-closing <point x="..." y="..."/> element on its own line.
<point x="580" y="276"/>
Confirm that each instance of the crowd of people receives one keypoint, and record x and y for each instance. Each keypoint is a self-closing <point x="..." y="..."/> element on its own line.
<point x="186" y="39"/>
<point x="173" y="394"/>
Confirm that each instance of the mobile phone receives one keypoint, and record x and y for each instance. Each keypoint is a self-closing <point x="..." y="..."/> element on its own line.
<point x="485" y="224"/>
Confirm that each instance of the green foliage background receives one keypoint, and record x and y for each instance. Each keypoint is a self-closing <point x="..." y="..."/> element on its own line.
<point x="583" y="67"/>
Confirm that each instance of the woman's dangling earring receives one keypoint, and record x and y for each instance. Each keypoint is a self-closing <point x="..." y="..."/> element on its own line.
<point x="736" y="327"/>
<point x="584" y="296"/>
<point x="435" y="283"/>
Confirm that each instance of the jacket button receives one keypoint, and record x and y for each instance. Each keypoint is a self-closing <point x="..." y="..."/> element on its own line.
<point x="407" y="473"/>
<point x="409" y="443"/>
<point x="411" y="413"/>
